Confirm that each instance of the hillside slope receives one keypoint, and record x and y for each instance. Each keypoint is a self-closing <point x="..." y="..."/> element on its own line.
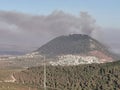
<point x="82" y="77"/>
<point x="72" y="44"/>
<point x="76" y="45"/>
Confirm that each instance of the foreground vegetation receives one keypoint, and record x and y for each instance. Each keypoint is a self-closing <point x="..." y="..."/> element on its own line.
<point x="5" y="74"/>
<point x="14" y="86"/>
<point x="82" y="77"/>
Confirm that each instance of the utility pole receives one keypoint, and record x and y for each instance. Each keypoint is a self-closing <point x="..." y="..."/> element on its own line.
<point x="29" y="88"/>
<point x="44" y="75"/>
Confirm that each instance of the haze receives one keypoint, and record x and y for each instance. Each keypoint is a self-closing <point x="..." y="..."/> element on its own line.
<point x="26" y="25"/>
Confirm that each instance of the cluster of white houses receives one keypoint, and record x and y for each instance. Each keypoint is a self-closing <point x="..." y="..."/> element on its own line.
<point x="62" y="60"/>
<point x="75" y="60"/>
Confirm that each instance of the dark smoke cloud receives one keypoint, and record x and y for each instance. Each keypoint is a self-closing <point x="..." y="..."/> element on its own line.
<point x="27" y="31"/>
<point x="57" y="22"/>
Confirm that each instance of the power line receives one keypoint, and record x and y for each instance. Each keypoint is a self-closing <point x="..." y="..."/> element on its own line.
<point x="44" y="74"/>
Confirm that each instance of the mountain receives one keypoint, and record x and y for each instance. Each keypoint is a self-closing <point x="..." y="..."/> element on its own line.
<point x="72" y="44"/>
<point x="75" y="44"/>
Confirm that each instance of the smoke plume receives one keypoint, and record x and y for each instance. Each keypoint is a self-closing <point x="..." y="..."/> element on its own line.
<point x="25" y="30"/>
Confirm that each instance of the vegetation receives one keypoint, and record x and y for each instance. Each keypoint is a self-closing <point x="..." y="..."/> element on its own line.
<point x="14" y="86"/>
<point x="83" y="77"/>
<point x="5" y="74"/>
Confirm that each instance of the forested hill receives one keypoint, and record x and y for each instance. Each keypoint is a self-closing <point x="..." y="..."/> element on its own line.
<point x="82" y="77"/>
